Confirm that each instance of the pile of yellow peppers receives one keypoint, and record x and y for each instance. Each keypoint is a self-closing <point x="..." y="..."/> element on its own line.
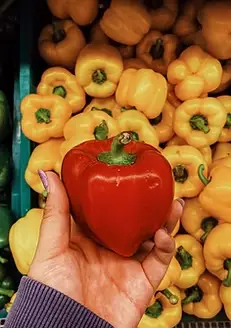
<point x="153" y="72"/>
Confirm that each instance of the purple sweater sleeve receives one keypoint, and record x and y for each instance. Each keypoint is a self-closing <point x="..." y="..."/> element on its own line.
<point x="39" y="306"/>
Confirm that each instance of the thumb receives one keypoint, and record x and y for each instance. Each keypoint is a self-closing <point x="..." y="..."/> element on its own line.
<point x="55" y="227"/>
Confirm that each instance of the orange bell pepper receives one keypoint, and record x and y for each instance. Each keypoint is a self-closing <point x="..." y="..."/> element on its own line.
<point x="163" y="123"/>
<point x="158" y="50"/>
<point x="200" y="121"/>
<point x="60" y="43"/>
<point x="107" y="105"/>
<point x="226" y="161"/>
<point x="97" y="35"/>
<point x="143" y="89"/>
<point x="163" y="18"/>
<point x="134" y="63"/>
<point x="194" y="73"/>
<point x="126" y="51"/>
<point x="98" y="69"/>
<point x="225" y="135"/>
<point x="225" y="296"/>
<point x="221" y="150"/>
<point x="59" y="81"/>
<point x="225" y="79"/>
<point x="172" y="98"/>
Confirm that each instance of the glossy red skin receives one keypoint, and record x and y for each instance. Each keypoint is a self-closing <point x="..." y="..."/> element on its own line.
<point x="118" y="206"/>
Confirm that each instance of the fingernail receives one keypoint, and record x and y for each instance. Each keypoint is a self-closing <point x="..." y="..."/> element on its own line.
<point x="44" y="180"/>
<point x="181" y="201"/>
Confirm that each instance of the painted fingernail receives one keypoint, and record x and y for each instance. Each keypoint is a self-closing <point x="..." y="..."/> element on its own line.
<point x="44" y="180"/>
<point x="181" y="201"/>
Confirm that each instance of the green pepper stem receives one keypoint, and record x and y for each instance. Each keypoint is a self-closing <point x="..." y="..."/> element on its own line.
<point x="58" y="33"/>
<point x="7" y="292"/>
<point x="3" y="260"/>
<point x="60" y="91"/>
<point x="157" y="49"/>
<point x="173" y="299"/>
<point x="135" y="136"/>
<point x="227" y="266"/>
<point x="207" y="225"/>
<point x="180" y="173"/>
<point x="99" y="76"/>
<point x="101" y="131"/>
<point x="193" y="294"/>
<point x="199" y="122"/>
<point x="228" y="121"/>
<point x="201" y="175"/>
<point x="43" y="115"/>
<point x="117" y="155"/>
<point x="155" y="310"/>
<point x="105" y="110"/>
<point x="184" y="258"/>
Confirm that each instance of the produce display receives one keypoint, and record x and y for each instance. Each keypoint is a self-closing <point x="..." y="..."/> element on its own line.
<point x="145" y="87"/>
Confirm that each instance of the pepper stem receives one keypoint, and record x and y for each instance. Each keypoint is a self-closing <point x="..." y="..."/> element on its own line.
<point x="43" y="115"/>
<point x="201" y="175"/>
<point x="156" y="120"/>
<point x="58" y="33"/>
<point x="3" y="260"/>
<point x="193" y="294"/>
<point x="157" y="49"/>
<point x="184" y="258"/>
<point x="207" y="225"/>
<point x="60" y="91"/>
<point x="228" y="121"/>
<point x="105" y="110"/>
<point x="155" y="310"/>
<point x="180" y="173"/>
<point x="227" y="266"/>
<point x="101" y="131"/>
<point x="117" y="155"/>
<point x="173" y="299"/>
<point x="7" y="292"/>
<point x="199" y="122"/>
<point x="99" y="76"/>
<point x="135" y="136"/>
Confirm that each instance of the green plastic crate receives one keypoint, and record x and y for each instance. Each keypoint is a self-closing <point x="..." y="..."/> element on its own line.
<point x="34" y="16"/>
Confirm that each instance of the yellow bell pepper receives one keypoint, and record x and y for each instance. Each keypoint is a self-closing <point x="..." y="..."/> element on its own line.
<point x="82" y="12"/>
<point x="184" y="161"/>
<point x="107" y="105"/>
<point x="163" y="18"/>
<point x="215" y="197"/>
<point x="46" y="157"/>
<point x="162" y="314"/>
<point x="97" y="35"/>
<point x="23" y="239"/>
<point x="134" y="63"/>
<point x="126" y="22"/>
<point x="194" y="73"/>
<point x="163" y="123"/>
<point x="225" y="135"/>
<point x="126" y="51"/>
<point x="200" y="121"/>
<point x="98" y="69"/>
<point x="143" y="89"/>
<point x="186" y="26"/>
<point x="171" y="97"/>
<point x="158" y="50"/>
<point x="214" y="19"/>
<point x="196" y="221"/>
<point x="189" y="254"/>
<point x="61" y="82"/>
<point x="172" y="275"/>
<point x="60" y="44"/>
<point x="222" y="149"/>
<point x="225" y="296"/>
<point x="92" y="125"/>
<point x="217" y="253"/>
<point x="176" y="229"/>
<point x="202" y="300"/>
<point x="205" y="151"/>
<point x="44" y="117"/>
<point x="135" y="121"/>
<point x="226" y="161"/>
<point x="226" y="78"/>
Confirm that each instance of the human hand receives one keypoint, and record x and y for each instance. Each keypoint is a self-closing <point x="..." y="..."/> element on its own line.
<point x="115" y="288"/>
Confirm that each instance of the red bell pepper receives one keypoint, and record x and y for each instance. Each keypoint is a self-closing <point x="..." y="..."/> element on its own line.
<point x="120" y="191"/>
